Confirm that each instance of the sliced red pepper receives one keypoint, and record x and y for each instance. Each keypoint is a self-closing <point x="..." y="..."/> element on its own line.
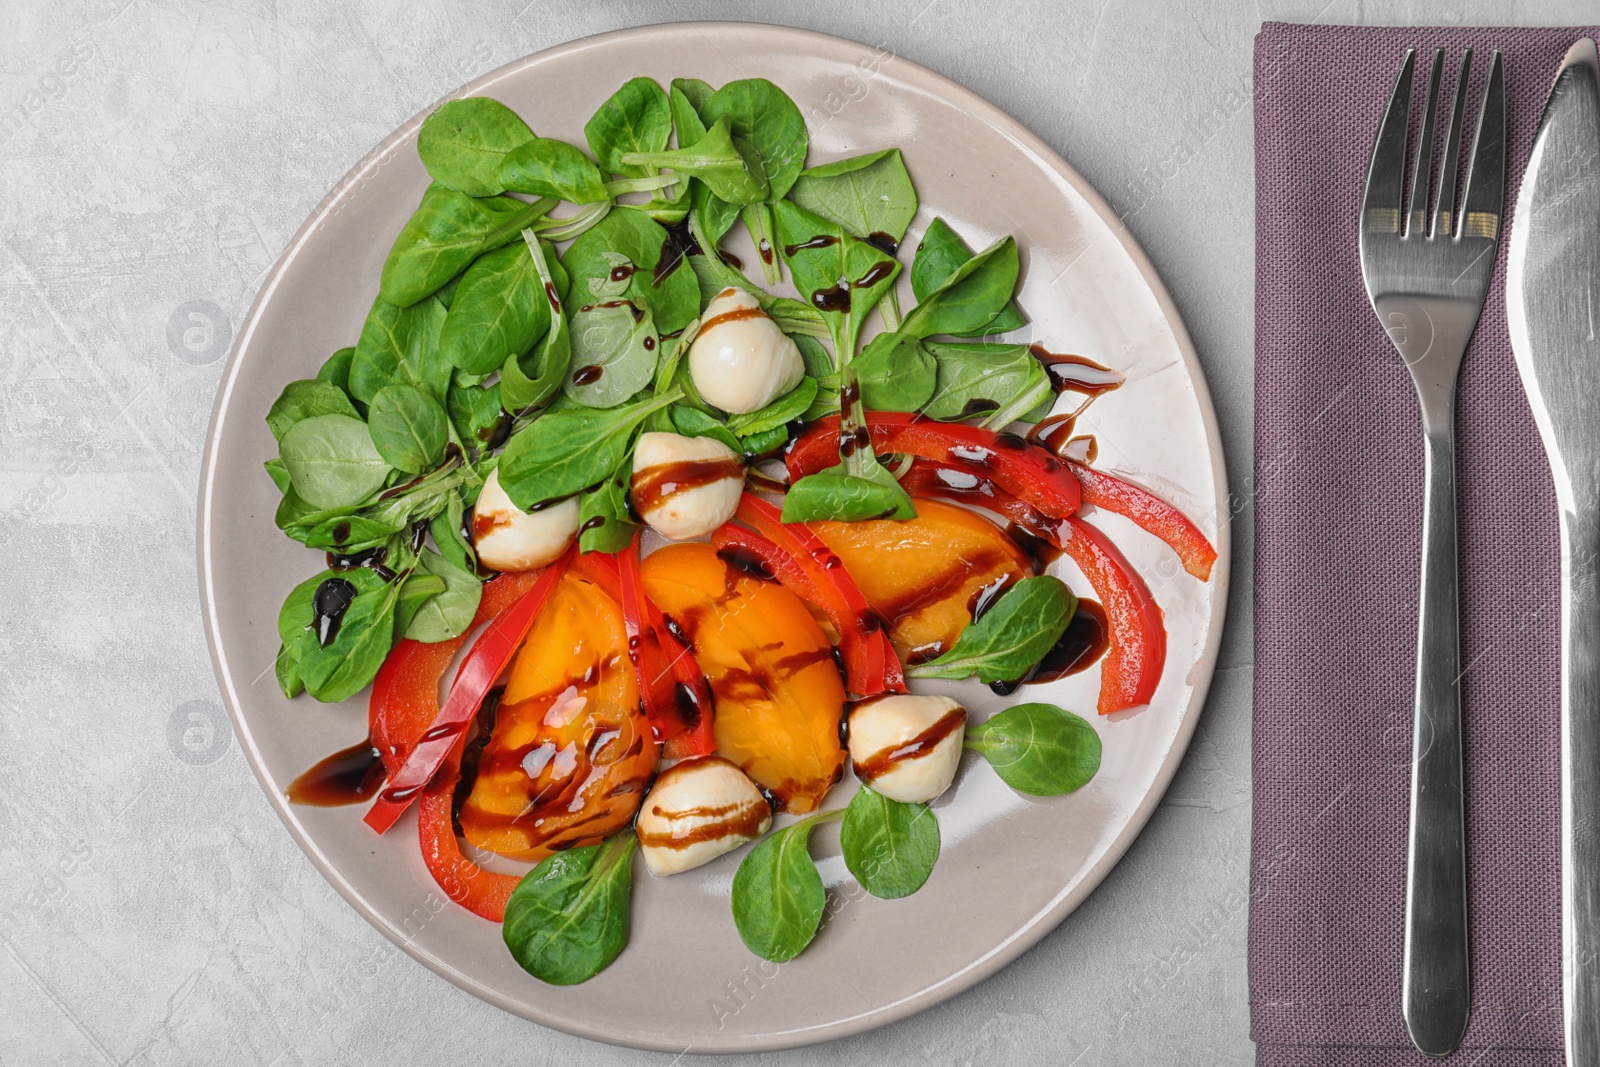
<point x="405" y="702"/>
<point x="481" y="892"/>
<point x="871" y="666"/>
<point x="1132" y="667"/>
<point x="489" y="656"/>
<point x="1138" y="649"/>
<point x="405" y="694"/>
<point x="1025" y="471"/>
<point x="676" y="695"/>
<point x="1153" y="515"/>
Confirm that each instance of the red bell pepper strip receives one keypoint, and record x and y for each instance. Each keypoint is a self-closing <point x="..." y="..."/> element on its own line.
<point x="871" y="665"/>
<point x="1138" y="648"/>
<point x="1025" y="471"/>
<point x="1132" y="667"/>
<point x="481" y="892"/>
<point x="483" y="665"/>
<point x="405" y="702"/>
<point x="405" y="694"/>
<point x="676" y="696"/>
<point x="1153" y="515"/>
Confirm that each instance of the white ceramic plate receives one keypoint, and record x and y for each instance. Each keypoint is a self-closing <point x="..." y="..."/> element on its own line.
<point x="1011" y="867"/>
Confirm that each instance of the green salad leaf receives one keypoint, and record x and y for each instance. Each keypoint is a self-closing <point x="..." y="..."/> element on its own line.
<point x="568" y="917"/>
<point x="464" y="142"/>
<point x="636" y="118"/>
<point x="889" y="847"/>
<point x="331" y="461"/>
<point x="408" y="428"/>
<point x="1038" y="749"/>
<point x="1007" y="641"/>
<point x="545" y="166"/>
<point x="777" y="893"/>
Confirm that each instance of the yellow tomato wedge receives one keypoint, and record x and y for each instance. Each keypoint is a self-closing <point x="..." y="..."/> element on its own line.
<point x="570" y="753"/>
<point x="777" y="687"/>
<point x="923" y="576"/>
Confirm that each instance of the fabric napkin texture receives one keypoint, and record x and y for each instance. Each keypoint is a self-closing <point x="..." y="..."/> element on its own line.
<point x="1337" y="488"/>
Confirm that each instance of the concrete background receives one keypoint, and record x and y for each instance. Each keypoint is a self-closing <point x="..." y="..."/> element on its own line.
<point x="152" y="909"/>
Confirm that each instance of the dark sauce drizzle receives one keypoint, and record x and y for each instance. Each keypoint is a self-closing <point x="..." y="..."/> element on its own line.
<point x="349" y="776"/>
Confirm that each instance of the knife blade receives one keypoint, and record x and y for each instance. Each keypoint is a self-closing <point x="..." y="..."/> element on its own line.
<point x="1552" y="305"/>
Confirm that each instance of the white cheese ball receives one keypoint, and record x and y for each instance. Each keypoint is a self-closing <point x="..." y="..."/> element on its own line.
<point x="510" y="539"/>
<point x="884" y="748"/>
<point x="685" y="487"/>
<point x="740" y="361"/>
<point x="696" y="811"/>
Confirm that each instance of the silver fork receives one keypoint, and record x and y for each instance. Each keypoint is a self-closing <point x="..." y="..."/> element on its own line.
<point x="1427" y="273"/>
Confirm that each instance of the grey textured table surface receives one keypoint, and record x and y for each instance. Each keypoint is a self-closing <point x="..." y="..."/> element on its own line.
<point x="155" y="156"/>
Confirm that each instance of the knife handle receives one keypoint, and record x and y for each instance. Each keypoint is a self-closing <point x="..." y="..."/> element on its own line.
<point x="1580" y="784"/>
<point x="1436" y="992"/>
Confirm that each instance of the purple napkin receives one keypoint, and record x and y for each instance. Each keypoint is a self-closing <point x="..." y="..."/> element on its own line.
<point x="1338" y="496"/>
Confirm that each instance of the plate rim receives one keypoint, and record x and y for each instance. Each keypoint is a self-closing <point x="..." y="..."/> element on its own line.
<point x="1043" y="921"/>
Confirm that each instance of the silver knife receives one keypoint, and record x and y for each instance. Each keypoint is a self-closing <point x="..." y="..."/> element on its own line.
<point x="1553" y="306"/>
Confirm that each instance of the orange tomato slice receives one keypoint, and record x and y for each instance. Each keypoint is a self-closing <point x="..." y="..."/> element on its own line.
<point x="777" y="687"/>
<point x="570" y="753"/>
<point x="925" y="575"/>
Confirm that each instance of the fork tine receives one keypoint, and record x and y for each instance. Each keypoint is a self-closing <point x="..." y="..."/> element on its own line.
<point x="1417" y="212"/>
<point x="1486" y="175"/>
<point x="1443" y="215"/>
<point x="1380" y="203"/>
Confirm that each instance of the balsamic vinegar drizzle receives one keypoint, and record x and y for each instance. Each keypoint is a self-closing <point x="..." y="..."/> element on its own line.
<point x="349" y="776"/>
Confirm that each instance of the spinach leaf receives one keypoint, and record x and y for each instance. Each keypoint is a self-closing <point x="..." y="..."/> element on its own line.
<point x="499" y="311"/>
<point x="408" y="428"/>
<point x="835" y="493"/>
<point x="603" y="520"/>
<point x="547" y="167"/>
<point x="565" y="451"/>
<point x="888" y="846"/>
<point x="940" y="252"/>
<point x="448" y="231"/>
<point x="895" y="373"/>
<point x="529" y="381"/>
<point x="764" y="444"/>
<point x="840" y="275"/>
<point x="762" y="115"/>
<point x="1038" y="749"/>
<point x="347" y="664"/>
<point x="278" y="473"/>
<point x="476" y="415"/>
<point x="286" y="667"/>
<point x="871" y="195"/>
<point x="346" y="533"/>
<point x="977" y="378"/>
<point x="336" y="368"/>
<point x="303" y="399"/>
<point x="637" y="118"/>
<point x="712" y="214"/>
<point x="617" y="259"/>
<point x="970" y="298"/>
<point x="614" y="349"/>
<point x="449" y="534"/>
<point x="777" y="892"/>
<point x="400" y="346"/>
<point x="416" y="592"/>
<point x="568" y="917"/>
<point x="1011" y="637"/>
<point x="332" y="462"/>
<point x="779" y="412"/>
<point x="295" y="616"/>
<point x="728" y="167"/>
<point x="693" y="422"/>
<point x="463" y="143"/>
<point x="450" y="613"/>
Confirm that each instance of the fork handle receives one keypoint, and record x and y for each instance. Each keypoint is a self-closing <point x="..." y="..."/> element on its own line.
<point x="1436" y="993"/>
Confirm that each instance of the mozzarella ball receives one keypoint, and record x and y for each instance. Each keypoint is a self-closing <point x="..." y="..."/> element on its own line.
<point x="740" y="361"/>
<point x="510" y="539"/>
<point x="685" y="487"/>
<point x="696" y="811"/>
<point x="907" y="747"/>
